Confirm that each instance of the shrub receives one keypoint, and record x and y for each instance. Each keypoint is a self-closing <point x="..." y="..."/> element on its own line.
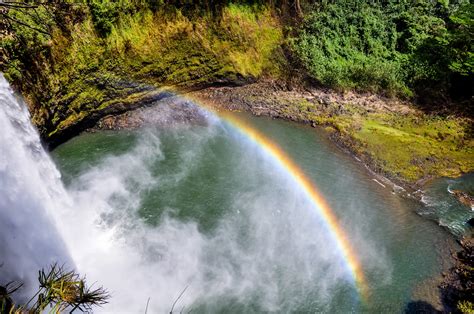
<point x="401" y="47"/>
<point x="351" y="45"/>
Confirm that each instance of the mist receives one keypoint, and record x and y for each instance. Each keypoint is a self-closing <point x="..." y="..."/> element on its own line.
<point x="265" y="248"/>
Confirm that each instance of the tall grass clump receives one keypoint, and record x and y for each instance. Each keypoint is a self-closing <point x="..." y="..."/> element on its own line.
<point x="60" y="290"/>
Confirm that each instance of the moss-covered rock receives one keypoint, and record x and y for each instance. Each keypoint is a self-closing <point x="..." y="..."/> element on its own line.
<point x="80" y="72"/>
<point x="94" y="98"/>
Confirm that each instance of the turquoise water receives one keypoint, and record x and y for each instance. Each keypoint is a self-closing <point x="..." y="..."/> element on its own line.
<point x="249" y="240"/>
<point x="444" y="207"/>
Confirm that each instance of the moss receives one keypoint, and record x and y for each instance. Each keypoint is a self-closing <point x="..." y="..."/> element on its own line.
<point x="409" y="148"/>
<point x="171" y="48"/>
<point x="76" y="73"/>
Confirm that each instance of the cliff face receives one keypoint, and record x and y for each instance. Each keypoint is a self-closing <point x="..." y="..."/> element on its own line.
<point x="77" y="62"/>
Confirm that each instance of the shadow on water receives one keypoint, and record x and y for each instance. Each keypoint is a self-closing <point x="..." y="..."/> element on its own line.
<point x="457" y="289"/>
<point x="449" y="298"/>
<point x="420" y="307"/>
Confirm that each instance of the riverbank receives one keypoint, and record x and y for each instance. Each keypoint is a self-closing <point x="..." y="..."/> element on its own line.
<point x="393" y="138"/>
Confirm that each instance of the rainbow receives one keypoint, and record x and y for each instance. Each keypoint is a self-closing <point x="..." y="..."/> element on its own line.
<point x="310" y="190"/>
<point x="297" y="174"/>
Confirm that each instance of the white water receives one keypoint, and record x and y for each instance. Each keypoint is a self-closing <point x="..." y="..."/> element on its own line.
<point x="269" y="248"/>
<point x="29" y="192"/>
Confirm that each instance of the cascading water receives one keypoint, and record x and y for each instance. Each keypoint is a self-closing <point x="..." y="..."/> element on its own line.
<point x="30" y="193"/>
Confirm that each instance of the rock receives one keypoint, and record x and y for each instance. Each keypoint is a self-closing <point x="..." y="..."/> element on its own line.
<point x="458" y="284"/>
<point x="470" y="222"/>
<point x="464" y="197"/>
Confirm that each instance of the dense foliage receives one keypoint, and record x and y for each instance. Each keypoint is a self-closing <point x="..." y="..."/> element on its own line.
<point x="396" y="47"/>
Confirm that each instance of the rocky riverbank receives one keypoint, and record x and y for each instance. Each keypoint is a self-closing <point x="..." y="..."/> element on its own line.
<point x="397" y="141"/>
<point x="457" y="288"/>
<point x="464" y="197"/>
<point x="392" y="137"/>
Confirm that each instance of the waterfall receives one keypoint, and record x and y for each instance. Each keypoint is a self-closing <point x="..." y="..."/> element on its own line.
<point x="30" y="191"/>
<point x="266" y="252"/>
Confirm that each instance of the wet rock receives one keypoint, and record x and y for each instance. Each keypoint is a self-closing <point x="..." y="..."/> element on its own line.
<point x="458" y="284"/>
<point x="464" y="197"/>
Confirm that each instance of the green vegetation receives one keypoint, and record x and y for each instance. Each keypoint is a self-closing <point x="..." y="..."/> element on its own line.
<point x="71" y="60"/>
<point x="402" y="48"/>
<point x="414" y="147"/>
<point x="351" y="45"/>
<point x="59" y="290"/>
<point x="407" y="147"/>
